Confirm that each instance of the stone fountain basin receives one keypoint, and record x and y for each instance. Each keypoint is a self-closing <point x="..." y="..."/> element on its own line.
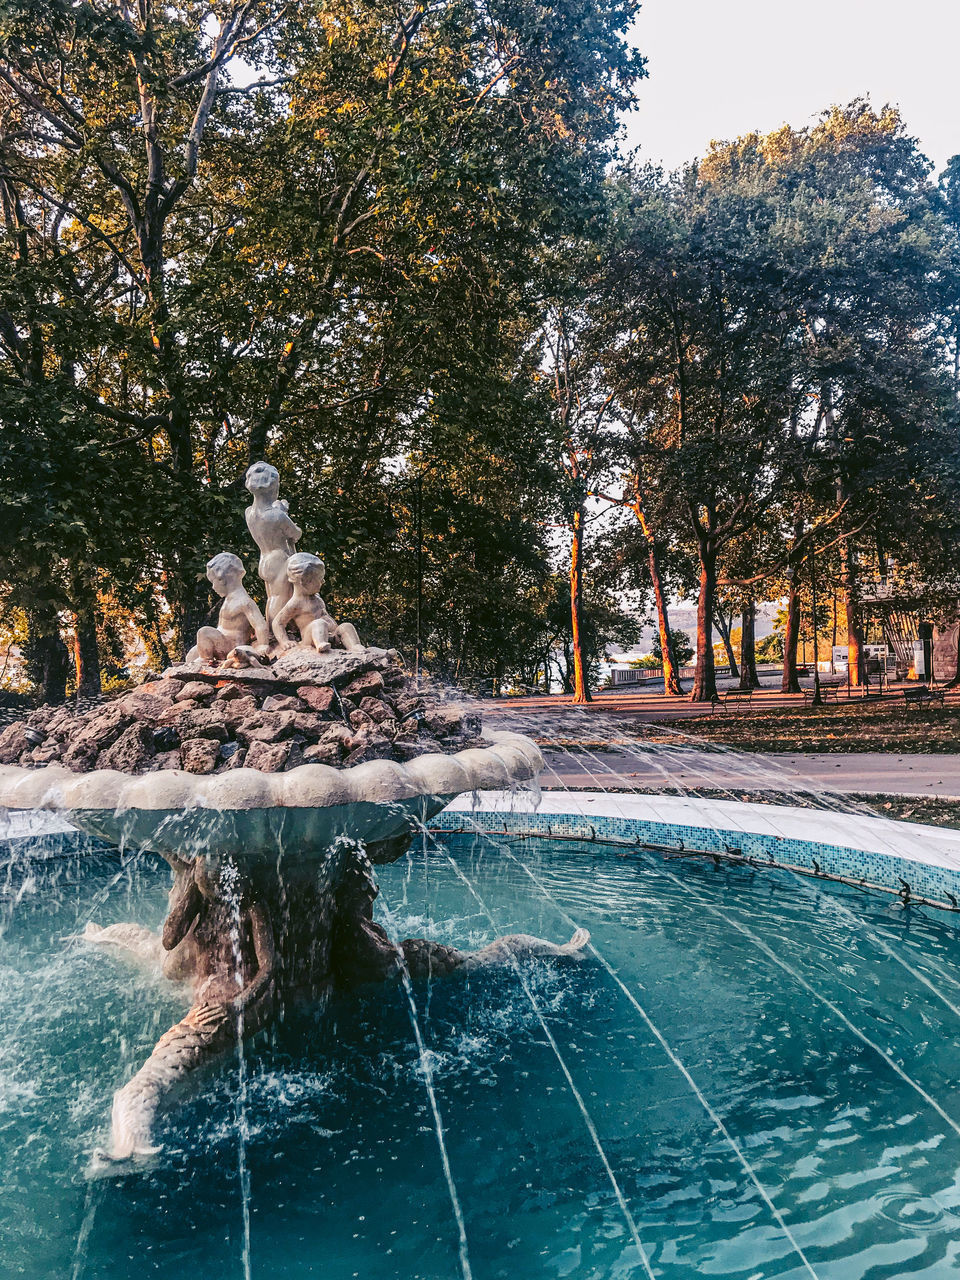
<point x="256" y="817"/>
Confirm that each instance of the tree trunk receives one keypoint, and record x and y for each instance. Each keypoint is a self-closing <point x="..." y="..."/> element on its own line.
<point x="724" y="629"/>
<point x="581" y="691"/>
<point x="152" y="635"/>
<point x="791" y="681"/>
<point x="850" y="605"/>
<point x="565" y="685"/>
<point x="48" y="659"/>
<point x="833" y="641"/>
<point x="193" y="608"/>
<point x="748" y="646"/>
<point x="86" y="653"/>
<point x="671" y="672"/>
<point x="705" y="680"/>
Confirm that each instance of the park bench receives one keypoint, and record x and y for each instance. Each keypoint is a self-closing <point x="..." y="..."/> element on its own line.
<point x="922" y="696"/>
<point x="829" y="691"/>
<point x="730" y="698"/>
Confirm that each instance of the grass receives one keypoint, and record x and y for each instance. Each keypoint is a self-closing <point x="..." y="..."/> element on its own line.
<point x="840" y="727"/>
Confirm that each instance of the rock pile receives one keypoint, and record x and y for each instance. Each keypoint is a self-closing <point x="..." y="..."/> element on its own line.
<point x="210" y="722"/>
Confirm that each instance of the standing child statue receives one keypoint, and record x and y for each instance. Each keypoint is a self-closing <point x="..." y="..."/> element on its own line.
<point x="307" y="611"/>
<point x="274" y="533"/>
<point x="240" y="620"/>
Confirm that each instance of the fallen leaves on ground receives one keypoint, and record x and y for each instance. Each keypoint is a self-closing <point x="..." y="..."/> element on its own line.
<point x="876" y="726"/>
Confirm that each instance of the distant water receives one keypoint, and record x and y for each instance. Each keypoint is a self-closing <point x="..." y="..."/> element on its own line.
<point x="833" y="1067"/>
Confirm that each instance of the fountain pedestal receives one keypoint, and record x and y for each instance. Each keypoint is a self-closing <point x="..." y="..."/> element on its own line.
<point x="273" y="884"/>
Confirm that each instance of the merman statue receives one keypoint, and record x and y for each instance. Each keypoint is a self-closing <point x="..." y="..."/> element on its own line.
<point x="221" y="939"/>
<point x="240" y="620"/>
<point x="218" y="939"/>
<point x="274" y="533"/>
<point x="308" y="613"/>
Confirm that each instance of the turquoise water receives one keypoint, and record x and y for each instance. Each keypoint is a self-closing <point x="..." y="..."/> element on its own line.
<point x="819" y="1027"/>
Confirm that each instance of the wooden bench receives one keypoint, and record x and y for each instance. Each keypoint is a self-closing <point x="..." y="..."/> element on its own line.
<point x="730" y="698"/>
<point x="922" y="696"/>
<point x="829" y="691"/>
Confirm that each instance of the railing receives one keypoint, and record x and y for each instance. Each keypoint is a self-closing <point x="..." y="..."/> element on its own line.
<point x="622" y="676"/>
<point x="641" y="675"/>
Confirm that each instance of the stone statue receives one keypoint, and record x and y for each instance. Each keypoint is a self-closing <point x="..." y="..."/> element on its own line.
<point x="274" y="533"/>
<point x="292" y="581"/>
<point x="363" y="951"/>
<point x="240" y="620"/>
<point x="220" y="938"/>
<point x="248" y="938"/>
<point x="308" y="613"/>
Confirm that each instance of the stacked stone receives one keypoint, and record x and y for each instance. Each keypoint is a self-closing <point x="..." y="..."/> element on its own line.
<point x="212" y="725"/>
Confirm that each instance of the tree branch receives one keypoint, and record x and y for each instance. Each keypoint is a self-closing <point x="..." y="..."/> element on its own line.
<point x="73" y="212"/>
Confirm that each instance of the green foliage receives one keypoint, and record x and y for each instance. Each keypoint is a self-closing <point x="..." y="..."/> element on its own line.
<point x="770" y="648"/>
<point x="381" y="248"/>
<point x="680" y="644"/>
<point x="773" y="326"/>
<point x="315" y="232"/>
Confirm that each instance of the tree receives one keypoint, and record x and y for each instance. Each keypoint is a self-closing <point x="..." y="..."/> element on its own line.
<point x="256" y="250"/>
<point x="691" y="304"/>
<point x="864" y="251"/>
<point x="769" y="325"/>
<point x="680" y="645"/>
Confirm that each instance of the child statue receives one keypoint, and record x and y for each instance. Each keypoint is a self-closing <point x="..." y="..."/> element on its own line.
<point x="240" y="620"/>
<point x="307" y="611"/>
<point x="274" y="533"/>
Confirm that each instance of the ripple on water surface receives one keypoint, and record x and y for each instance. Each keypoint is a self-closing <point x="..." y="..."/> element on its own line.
<point x="820" y="1026"/>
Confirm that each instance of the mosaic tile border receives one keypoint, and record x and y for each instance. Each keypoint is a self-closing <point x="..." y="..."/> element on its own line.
<point x="891" y="871"/>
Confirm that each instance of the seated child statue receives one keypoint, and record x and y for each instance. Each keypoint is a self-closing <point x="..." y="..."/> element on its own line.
<point x="240" y="620"/>
<point x="307" y="611"/>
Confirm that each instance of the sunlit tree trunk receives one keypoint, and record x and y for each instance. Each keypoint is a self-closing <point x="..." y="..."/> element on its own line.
<point x="48" y="659"/>
<point x="851" y="609"/>
<point x="833" y="640"/>
<point x="671" y="672"/>
<point x="671" y="669"/>
<point x="952" y="684"/>
<point x="705" y="680"/>
<point x="581" y="690"/>
<point x="86" y="653"/>
<point x="724" y="629"/>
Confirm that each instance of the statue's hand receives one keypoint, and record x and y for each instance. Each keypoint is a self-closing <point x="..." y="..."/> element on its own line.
<point x="209" y="1017"/>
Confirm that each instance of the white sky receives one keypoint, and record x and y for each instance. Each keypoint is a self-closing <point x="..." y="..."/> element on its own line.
<point x="720" y="68"/>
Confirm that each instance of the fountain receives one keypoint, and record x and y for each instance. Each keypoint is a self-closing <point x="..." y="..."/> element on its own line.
<point x="753" y="1075"/>
<point x="272" y="772"/>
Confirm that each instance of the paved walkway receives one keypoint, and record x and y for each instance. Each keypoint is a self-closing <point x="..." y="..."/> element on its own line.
<point x="648" y="767"/>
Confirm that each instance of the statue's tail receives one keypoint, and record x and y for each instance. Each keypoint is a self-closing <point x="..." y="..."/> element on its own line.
<point x="577" y="943"/>
<point x="141" y="942"/>
<point x="177" y="1054"/>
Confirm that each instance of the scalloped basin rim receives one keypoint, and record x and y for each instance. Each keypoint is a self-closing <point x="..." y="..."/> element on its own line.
<point x="253" y="815"/>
